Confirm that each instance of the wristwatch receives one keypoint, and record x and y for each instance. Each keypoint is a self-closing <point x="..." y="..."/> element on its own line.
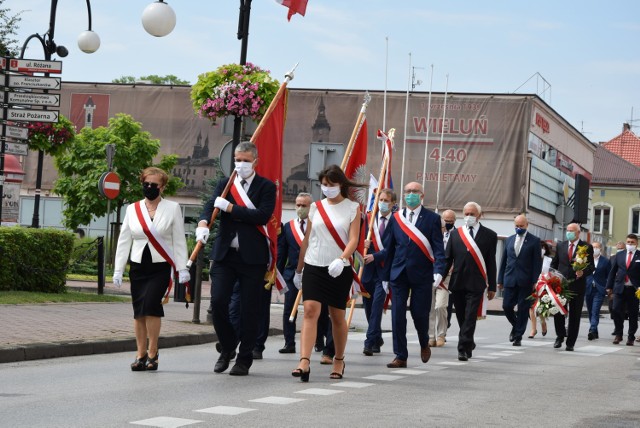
<point x="345" y="261"/>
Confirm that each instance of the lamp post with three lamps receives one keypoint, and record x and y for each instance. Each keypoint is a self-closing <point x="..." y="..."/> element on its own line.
<point x="88" y="42"/>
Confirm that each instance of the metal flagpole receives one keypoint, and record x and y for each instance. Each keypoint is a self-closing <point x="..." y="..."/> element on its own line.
<point x="441" y="157"/>
<point x="426" y="140"/>
<point x="404" y="144"/>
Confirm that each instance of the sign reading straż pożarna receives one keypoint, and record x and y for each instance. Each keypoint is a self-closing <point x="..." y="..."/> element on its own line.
<point x="24" y="115"/>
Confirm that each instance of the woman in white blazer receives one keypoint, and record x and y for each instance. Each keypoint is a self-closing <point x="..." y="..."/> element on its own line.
<point x="152" y="238"/>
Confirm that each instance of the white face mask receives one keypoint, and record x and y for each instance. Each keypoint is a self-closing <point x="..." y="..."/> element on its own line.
<point x="330" y="191"/>
<point x="470" y="220"/>
<point x="596" y="252"/>
<point x="631" y="248"/>
<point x="245" y="169"/>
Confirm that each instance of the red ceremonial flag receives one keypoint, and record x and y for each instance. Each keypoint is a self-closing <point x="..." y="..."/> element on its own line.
<point x="356" y="170"/>
<point x="295" y="6"/>
<point x="269" y="143"/>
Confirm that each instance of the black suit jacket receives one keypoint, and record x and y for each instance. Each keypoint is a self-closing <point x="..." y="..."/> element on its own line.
<point x="562" y="263"/>
<point x="253" y="245"/>
<point x="466" y="275"/>
<point x="288" y="252"/>
<point x="619" y="271"/>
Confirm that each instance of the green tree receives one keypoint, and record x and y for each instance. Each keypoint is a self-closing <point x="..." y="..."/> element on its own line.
<point x="80" y="168"/>
<point x="8" y="30"/>
<point x="154" y="79"/>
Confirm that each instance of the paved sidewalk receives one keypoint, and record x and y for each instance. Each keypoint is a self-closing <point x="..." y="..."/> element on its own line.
<point x="31" y="332"/>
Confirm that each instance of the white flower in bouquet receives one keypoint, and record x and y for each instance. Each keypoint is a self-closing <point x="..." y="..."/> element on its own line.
<point x="580" y="260"/>
<point x="554" y="310"/>
<point x="545" y="298"/>
<point x="562" y="300"/>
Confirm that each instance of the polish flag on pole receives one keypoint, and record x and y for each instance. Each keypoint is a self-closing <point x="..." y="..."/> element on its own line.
<point x="295" y="6"/>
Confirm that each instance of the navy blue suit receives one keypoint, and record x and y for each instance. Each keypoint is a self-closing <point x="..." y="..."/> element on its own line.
<point x="408" y="269"/>
<point x="372" y="281"/>
<point x="519" y="274"/>
<point x="596" y="290"/>
<point x="562" y="263"/>
<point x="288" y="253"/>
<point x="247" y="265"/>
<point x="624" y="295"/>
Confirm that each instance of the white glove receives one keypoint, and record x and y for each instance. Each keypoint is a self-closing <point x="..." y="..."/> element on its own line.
<point x="117" y="278"/>
<point x="335" y="268"/>
<point x="202" y="234"/>
<point x="437" y="279"/>
<point x="183" y="276"/>
<point x="385" y="286"/>
<point x="221" y="203"/>
<point x="297" y="280"/>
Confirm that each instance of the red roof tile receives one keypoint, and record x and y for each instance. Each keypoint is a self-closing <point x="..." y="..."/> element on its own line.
<point x="625" y="145"/>
<point x="610" y="169"/>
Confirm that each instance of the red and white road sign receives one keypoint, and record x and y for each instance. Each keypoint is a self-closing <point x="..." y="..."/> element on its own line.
<point x="109" y="185"/>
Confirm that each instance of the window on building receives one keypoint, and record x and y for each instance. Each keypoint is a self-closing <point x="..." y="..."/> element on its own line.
<point x="602" y="219"/>
<point x="635" y="220"/>
<point x="602" y="192"/>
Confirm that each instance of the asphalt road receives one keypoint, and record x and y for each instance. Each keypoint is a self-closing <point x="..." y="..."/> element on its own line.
<point x="505" y="386"/>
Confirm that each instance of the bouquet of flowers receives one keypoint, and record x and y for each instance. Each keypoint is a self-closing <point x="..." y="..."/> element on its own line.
<point x="582" y="258"/>
<point x="52" y="138"/>
<point x="233" y="89"/>
<point x="552" y="294"/>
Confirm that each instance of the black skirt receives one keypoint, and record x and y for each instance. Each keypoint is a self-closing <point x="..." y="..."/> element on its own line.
<point x="149" y="282"/>
<point x="318" y="285"/>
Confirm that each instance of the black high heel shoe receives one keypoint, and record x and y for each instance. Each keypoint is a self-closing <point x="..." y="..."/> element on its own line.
<point x="303" y="375"/>
<point x="152" y="363"/>
<point x="139" y="364"/>
<point x="336" y="375"/>
<point x="532" y="335"/>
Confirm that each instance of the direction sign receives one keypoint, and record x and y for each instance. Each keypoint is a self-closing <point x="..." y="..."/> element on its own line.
<point x="19" y="133"/>
<point x="33" y="65"/>
<point x="26" y="115"/>
<point x="30" y="98"/>
<point x="109" y="185"/>
<point x="16" y="148"/>
<point x="34" y="82"/>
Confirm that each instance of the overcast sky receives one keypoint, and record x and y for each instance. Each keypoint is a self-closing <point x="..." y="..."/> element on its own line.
<point x="587" y="51"/>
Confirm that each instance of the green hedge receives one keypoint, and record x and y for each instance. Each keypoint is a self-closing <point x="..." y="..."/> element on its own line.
<point x="34" y="259"/>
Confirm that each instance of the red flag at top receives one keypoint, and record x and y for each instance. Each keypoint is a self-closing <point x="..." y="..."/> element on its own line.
<point x="295" y="6"/>
<point x="269" y="143"/>
<point x="356" y="170"/>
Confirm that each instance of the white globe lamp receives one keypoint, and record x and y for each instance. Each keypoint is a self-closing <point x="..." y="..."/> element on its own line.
<point x="158" y="19"/>
<point x="88" y="41"/>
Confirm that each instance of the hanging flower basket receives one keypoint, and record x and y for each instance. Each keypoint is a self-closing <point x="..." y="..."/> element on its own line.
<point x="234" y="90"/>
<point x="52" y="138"/>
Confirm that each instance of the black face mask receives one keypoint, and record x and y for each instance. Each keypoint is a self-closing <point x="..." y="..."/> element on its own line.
<point x="449" y="226"/>
<point x="151" y="193"/>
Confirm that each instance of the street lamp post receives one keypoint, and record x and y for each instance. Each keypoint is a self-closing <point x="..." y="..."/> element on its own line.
<point x="88" y="42"/>
<point x="158" y="19"/>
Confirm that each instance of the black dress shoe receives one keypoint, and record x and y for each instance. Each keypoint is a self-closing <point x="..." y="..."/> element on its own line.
<point x="462" y="356"/>
<point x="219" y="349"/>
<point x="511" y="336"/>
<point x="569" y="348"/>
<point x="257" y="355"/>
<point x="590" y="336"/>
<point x="558" y="342"/>
<point x="288" y="350"/>
<point x="470" y="352"/>
<point x="517" y="342"/>
<point x="239" y="369"/>
<point x="368" y="352"/>
<point x="319" y="347"/>
<point x="223" y="363"/>
<point x="375" y="349"/>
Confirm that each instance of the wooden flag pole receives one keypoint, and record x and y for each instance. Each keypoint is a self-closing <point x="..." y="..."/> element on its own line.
<point x="287" y="78"/>
<point x="374" y="213"/>
<point x="345" y="159"/>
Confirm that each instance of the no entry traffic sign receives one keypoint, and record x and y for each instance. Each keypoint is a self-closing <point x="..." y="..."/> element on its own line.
<point x="109" y="185"/>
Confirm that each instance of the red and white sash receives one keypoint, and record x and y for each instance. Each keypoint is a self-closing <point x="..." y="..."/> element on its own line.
<point x="158" y="244"/>
<point x="415" y="235"/>
<point x="356" y="285"/>
<point x="472" y="247"/>
<point x="376" y="239"/>
<point x="242" y="199"/>
<point x="296" y="231"/>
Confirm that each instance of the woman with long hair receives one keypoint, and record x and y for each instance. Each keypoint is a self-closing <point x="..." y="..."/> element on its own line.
<point x="324" y="268"/>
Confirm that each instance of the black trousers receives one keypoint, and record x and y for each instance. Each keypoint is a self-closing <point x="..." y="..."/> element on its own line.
<point x="623" y="303"/>
<point x="224" y="275"/>
<point x="574" y="305"/>
<point x="467" y="304"/>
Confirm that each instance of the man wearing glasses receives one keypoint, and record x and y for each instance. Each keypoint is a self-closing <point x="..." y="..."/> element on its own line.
<point x="414" y="262"/>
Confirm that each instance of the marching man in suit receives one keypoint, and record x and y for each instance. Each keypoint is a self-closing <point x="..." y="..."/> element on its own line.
<point x="471" y="251"/>
<point x="240" y="253"/>
<point x="414" y="262"/>
<point x="519" y="270"/>
<point x="562" y="261"/>
<point x="623" y="281"/>
<point x="288" y="253"/>
<point x="596" y="289"/>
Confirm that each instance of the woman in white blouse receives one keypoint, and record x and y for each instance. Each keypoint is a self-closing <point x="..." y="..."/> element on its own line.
<point x="330" y="240"/>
